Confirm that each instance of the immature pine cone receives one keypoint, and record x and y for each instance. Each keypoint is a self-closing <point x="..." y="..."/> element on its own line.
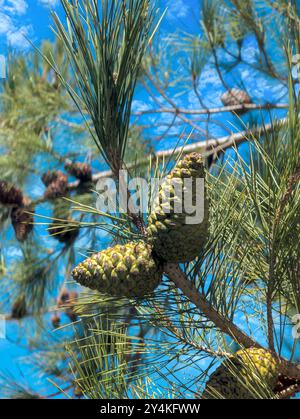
<point x="123" y="271"/>
<point x="240" y="378"/>
<point x="173" y="239"/>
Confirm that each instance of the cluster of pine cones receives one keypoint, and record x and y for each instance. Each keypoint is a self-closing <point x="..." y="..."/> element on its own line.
<point x="21" y="210"/>
<point x="64" y="228"/>
<point x="56" y="182"/>
<point x="136" y="268"/>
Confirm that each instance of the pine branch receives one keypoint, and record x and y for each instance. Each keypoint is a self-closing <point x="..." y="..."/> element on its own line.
<point x="270" y="320"/>
<point x="175" y="274"/>
<point x="210" y="111"/>
<point x="167" y="323"/>
<point x="179" y="111"/>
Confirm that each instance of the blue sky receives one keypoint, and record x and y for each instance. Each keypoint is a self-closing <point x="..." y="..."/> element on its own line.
<point x="30" y="18"/>
<point x="23" y="18"/>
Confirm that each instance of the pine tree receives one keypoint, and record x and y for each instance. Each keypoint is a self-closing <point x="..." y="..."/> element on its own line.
<point x="211" y="318"/>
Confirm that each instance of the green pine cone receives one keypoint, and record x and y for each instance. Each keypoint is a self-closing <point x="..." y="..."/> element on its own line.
<point x="174" y="239"/>
<point x="238" y="379"/>
<point x="122" y="271"/>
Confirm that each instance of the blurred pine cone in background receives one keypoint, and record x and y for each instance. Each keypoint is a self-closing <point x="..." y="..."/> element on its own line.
<point x="19" y="309"/>
<point x="66" y="301"/>
<point x="63" y="297"/>
<point x="81" y="171"/>
<point x="70" y="304"/>
<point x="63" y="227"/>
<point x="50" y="177"/>
<point x="235" y="97"/>
<point x="10" y="195"/>
<point x="64" y="231"/>
<point x="55" y="320"/>
<point x="22" y="222"/>
<point x="58" y="187"/>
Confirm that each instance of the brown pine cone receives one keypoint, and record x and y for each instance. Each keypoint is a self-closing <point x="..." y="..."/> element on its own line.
<point x="22" y="223"/>
<point x="81" y="171"/>
<point x="63" y="297"/>
<point x="19" y="309"/>
<point x="58" y="188"/>
<point x="61" y="231"/>
<point x="235" y="97"/>
<point x="73" y="296"/>
<point x="50" y="177"/>
<point x="10" y="195"/>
